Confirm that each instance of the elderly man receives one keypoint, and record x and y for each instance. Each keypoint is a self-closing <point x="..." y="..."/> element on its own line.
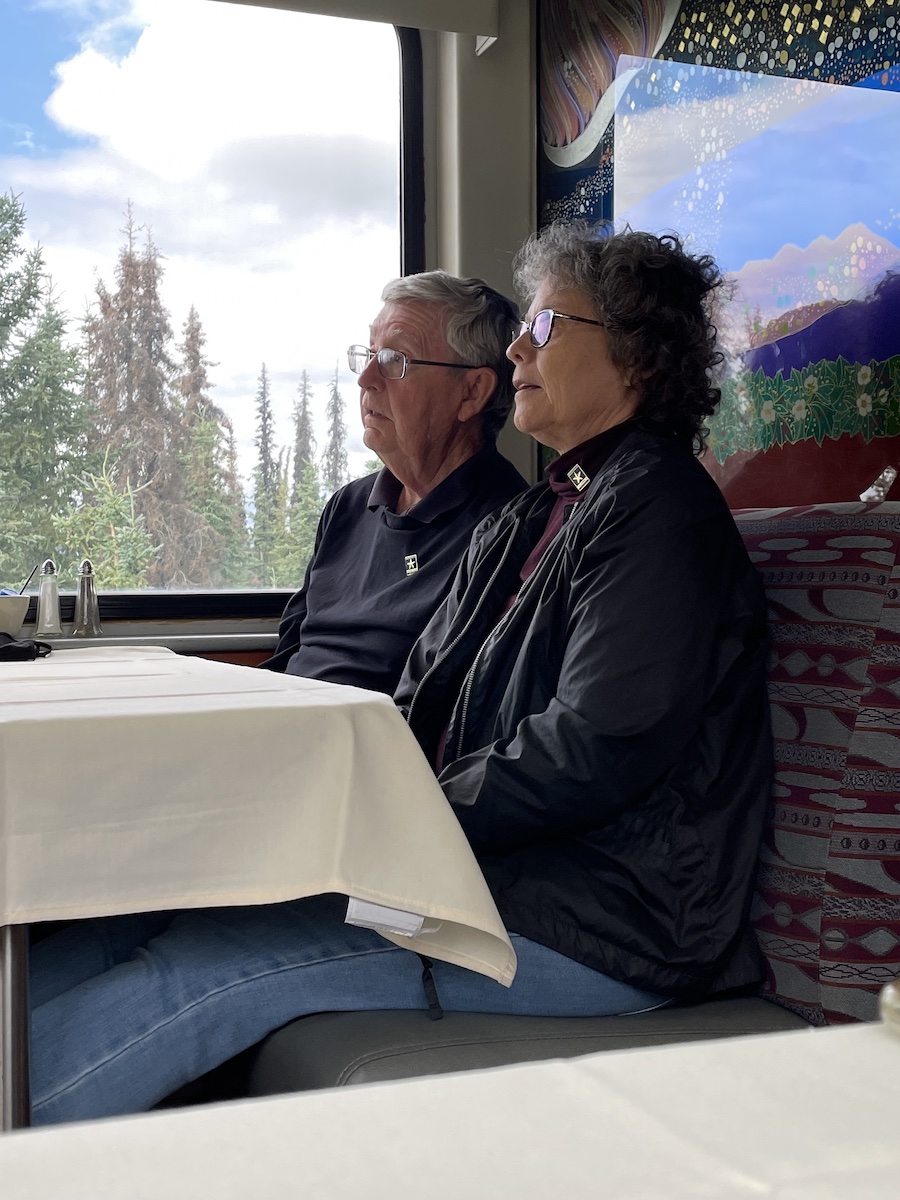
<point x="436" y="387"/>
<point x="435" y="390"/>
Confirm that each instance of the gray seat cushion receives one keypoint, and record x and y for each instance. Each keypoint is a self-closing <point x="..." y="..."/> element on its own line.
<point x="331" y="1049"/>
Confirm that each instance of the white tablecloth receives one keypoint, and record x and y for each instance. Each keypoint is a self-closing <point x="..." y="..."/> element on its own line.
<point x="134" y="779"/>
<point x="813" y="1115"/>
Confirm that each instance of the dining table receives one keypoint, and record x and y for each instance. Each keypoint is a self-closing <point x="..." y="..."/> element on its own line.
<point x="133" y="779"/>
<point x="806" y="1115"/>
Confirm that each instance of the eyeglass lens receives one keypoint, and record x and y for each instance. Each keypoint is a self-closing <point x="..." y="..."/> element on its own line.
<point x="391" y="363"/>
<point x="538" y="328"/>
<point x="541" y="327"/>
<point x="357" y="359"/>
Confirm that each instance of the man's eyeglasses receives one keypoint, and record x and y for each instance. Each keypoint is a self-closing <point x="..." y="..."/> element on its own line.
<point x="391" y="363"/>
<point x="541" y="325"/>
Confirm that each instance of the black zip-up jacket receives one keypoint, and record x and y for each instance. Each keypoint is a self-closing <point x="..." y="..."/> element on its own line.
<point x="608" y="748"/>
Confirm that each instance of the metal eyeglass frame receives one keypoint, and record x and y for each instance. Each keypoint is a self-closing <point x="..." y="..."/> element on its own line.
<point x="357" y="352"/>
<point x="528" y="326"/>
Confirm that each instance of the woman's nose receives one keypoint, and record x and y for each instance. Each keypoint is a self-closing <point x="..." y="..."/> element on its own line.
<point x="514" y="351"/>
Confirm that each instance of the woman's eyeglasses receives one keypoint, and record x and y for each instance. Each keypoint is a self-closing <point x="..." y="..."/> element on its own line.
<point x="541" y="325"/>
<point x="391" y="363"/>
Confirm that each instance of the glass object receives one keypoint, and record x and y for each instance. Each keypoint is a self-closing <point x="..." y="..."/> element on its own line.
<point x="889" y="1007"/>
<point x="391" y="363"/>
<point x="540" y="327"/>
<point x="217" y="396"/>
<point x="87" y="606"/>
<point x="48" y="623"/>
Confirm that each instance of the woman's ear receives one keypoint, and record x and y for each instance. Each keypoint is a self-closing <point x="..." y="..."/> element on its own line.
<point x="635" y="378"/>
<point x="480" y="387"/>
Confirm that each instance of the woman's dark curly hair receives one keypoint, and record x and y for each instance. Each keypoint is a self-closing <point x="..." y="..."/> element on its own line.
<point x="655" y="302"/>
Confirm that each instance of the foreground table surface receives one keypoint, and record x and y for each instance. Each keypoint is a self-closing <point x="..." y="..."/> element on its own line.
<point x="798" y="1116"/>
<point x="136" y="780"/>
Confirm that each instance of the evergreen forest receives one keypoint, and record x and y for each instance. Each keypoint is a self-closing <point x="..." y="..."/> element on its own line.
<point x="113" y="448"/>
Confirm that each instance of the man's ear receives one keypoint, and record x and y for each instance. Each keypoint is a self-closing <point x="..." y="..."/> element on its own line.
<point x="481" y="383"/>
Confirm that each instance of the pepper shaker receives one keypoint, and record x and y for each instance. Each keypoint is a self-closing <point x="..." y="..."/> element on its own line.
<point x="87" y="606"/>
<point x="48" y="623"/>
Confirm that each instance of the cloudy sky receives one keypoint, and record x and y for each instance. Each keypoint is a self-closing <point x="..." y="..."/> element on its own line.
<point x="751" y="163"/>
<point x="260" y="147"/>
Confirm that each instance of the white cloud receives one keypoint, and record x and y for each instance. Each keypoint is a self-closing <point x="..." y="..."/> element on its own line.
<point x="653" y="147"/>
<point x="260" y="148"/>
<point x="203" y="75"/>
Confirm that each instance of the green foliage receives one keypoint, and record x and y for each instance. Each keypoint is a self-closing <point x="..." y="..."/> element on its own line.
<point x="152" y="413"/>
<point x="297" y="535"/>
<point x="207" y="459"/>
<point x="212" y="491"/>
<point x="44" y="418"/>
<point x="335" y="471"/>
<point x="115" y="450"/>
<point x="266" y="480"/>
<point x="107" y="527"/>
<point x="304" y="442"/>
<point x="827" y="399"/>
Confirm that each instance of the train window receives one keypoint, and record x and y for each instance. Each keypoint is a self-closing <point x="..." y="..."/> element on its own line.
<point x="199" y="208"/>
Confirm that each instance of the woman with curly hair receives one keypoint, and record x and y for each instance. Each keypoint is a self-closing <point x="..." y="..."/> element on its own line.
<point x="591" y="694"/>
<point x="593" y="690"/>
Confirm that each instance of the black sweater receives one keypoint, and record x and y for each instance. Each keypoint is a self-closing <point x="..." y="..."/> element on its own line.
<point x="364" y="600"/>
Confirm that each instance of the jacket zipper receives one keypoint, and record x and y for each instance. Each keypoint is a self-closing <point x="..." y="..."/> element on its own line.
<point x="437" y="662"/>
<point x="465" y="696"/>
<point x="462" y="702"/>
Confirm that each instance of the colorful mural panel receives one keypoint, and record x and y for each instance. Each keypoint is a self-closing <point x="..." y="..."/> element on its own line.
<point x="737" y="134"/>
<point x="580" y="41"/>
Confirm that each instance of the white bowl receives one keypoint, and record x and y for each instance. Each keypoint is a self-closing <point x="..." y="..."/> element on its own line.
<point x="12" y="614"/>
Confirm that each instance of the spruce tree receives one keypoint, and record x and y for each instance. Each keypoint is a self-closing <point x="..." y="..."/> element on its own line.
<point x="131" y="384"/>
<point x="107" y="527"/>
<point x="266" y="470"/>
<point x="265" y="483"/>
<point x="281" y="549"/>
<point x="298" y="532"/>
<point x="43" y="416"/>
<point x="304" y="441"/>
<point x="305" y="513"/>
<point x="335" y="471"/>
<point x="212" y="486"/>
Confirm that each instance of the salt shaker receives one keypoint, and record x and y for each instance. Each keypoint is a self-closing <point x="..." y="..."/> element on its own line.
<point x="87" y="607"/>
<point x="48" y="624"/>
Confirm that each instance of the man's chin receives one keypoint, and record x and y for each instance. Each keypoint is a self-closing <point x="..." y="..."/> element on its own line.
<point x="373" y="439"/>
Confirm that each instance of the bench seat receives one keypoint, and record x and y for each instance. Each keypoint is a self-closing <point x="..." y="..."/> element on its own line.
<point x="827" y="904"/>
<point x="333" y="1049"/>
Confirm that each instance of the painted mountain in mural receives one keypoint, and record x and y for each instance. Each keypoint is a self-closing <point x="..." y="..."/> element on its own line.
<point x="797" y="286"/>
<point x="859" y="331"/>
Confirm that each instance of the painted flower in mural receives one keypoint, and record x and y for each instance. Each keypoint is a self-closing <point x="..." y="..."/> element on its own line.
<point x="767" y="412"/>
<point x="882" y="396"/>
<point x="811" y="384"/>
<point x="798" y="410"/>
<point x="864" y="376"/>
<point x="864" y="402"/>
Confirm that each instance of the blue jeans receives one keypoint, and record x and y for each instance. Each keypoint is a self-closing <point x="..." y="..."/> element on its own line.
<point x="127" y="1009"/>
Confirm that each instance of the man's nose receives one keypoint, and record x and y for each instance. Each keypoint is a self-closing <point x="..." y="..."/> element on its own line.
<point x="369" y="375"/>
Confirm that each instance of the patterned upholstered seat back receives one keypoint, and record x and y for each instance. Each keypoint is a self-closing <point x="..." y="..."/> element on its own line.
<point x="827" y="909"/>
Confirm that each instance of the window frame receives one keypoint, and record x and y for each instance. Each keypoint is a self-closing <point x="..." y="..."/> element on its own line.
<point x="267" y="604"/>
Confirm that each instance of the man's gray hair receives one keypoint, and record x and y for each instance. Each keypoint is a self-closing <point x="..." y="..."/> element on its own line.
<point x="479" y="324"/>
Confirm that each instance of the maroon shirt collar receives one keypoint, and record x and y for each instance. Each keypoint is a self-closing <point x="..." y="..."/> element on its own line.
<point x="571" y="473"/>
